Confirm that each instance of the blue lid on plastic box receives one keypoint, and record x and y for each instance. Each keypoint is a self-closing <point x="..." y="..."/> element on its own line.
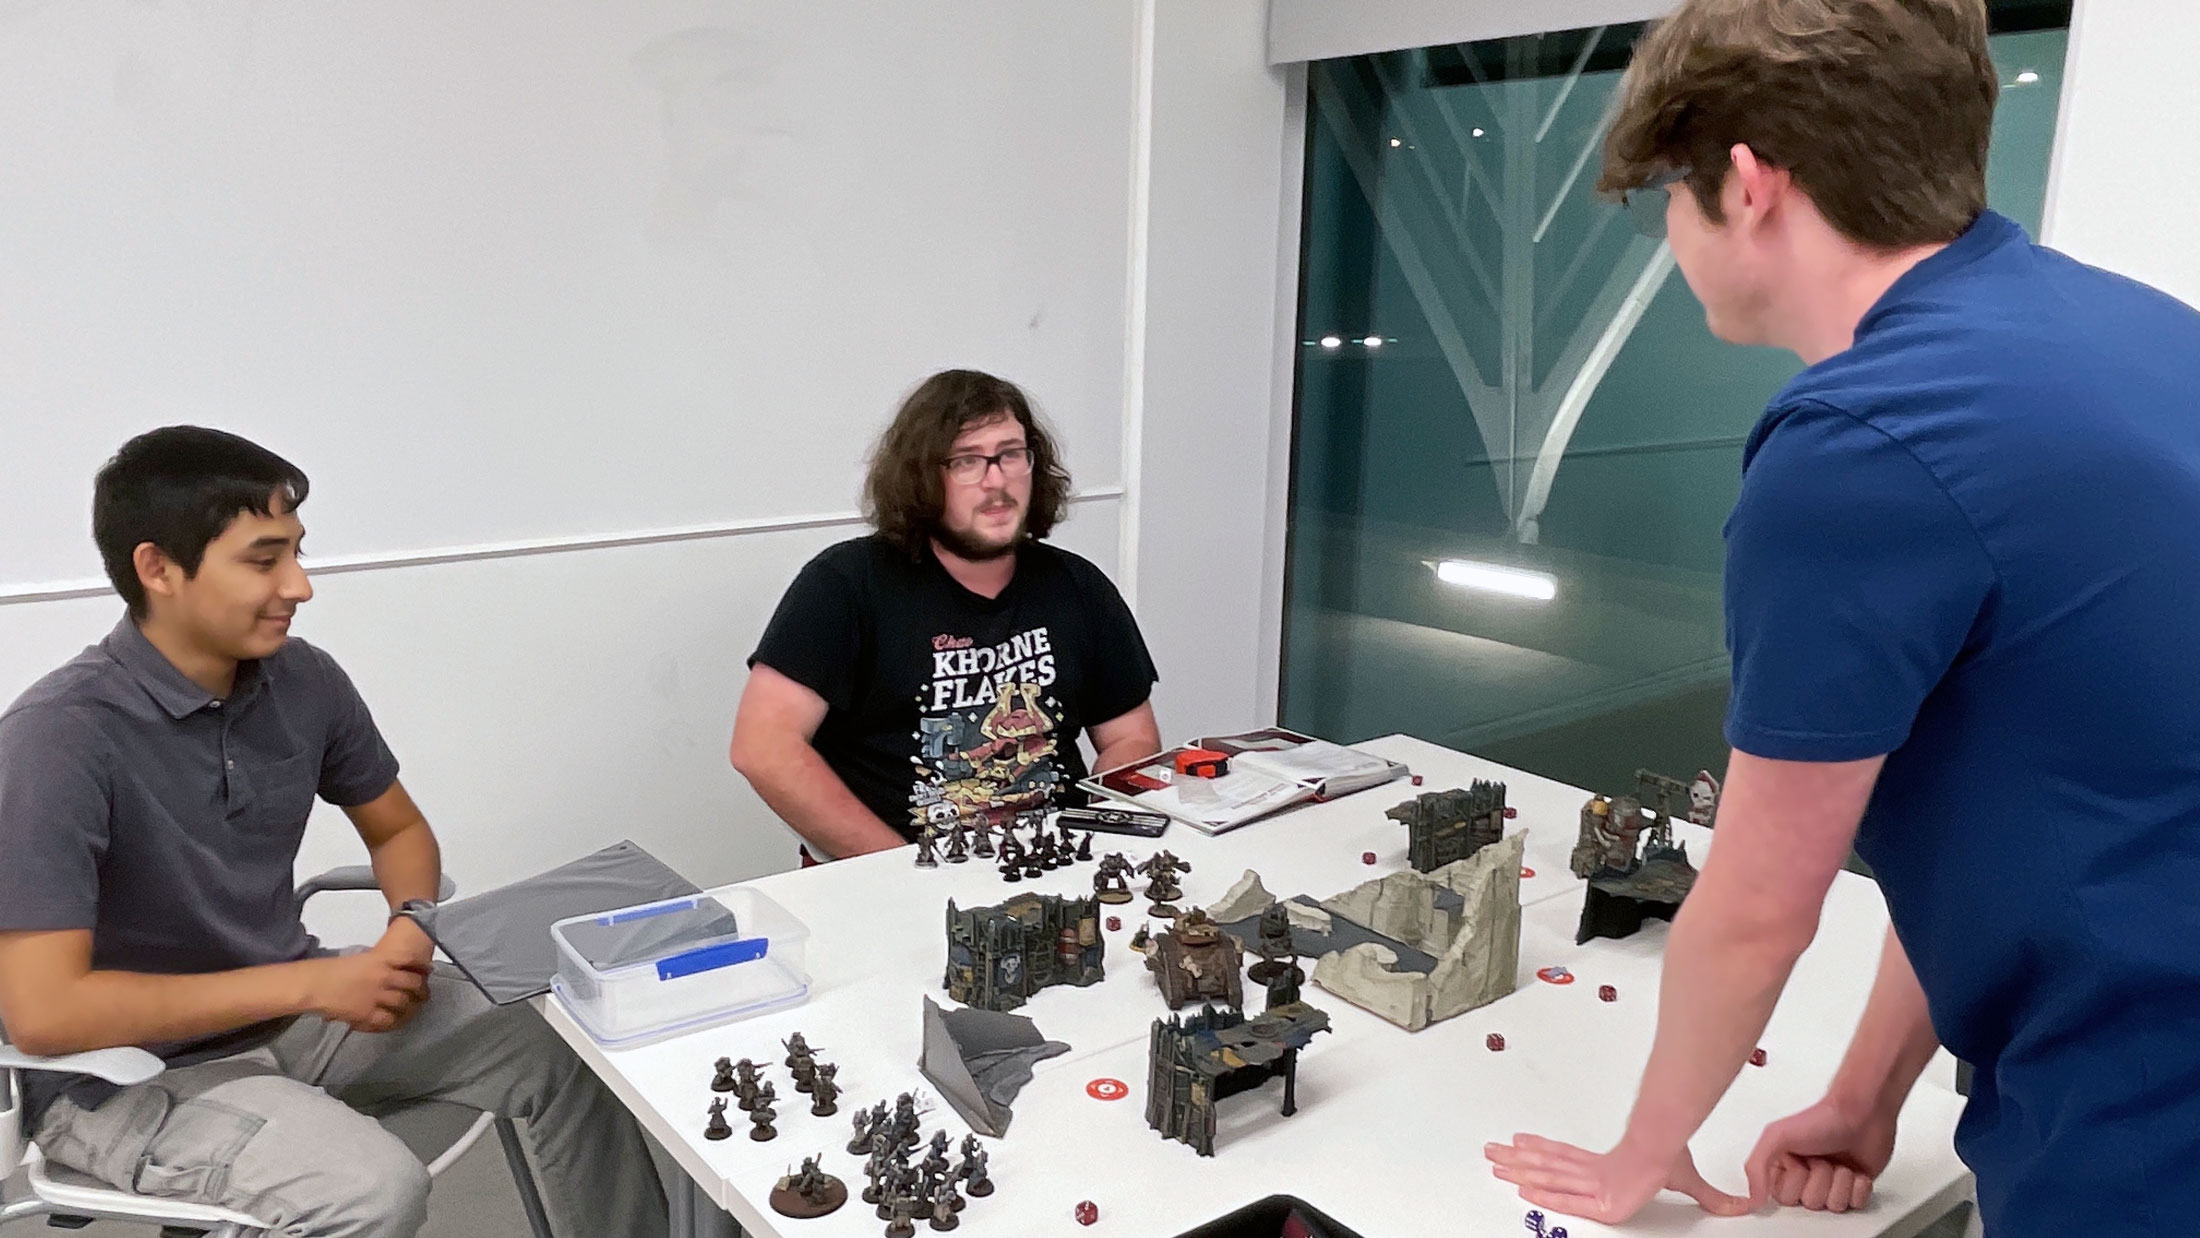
<point x="643" y="973"/>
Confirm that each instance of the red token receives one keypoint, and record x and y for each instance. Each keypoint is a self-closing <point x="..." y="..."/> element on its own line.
<point x="1606" y="993"/>
<point x="1107" y="1089"/>
<point x="1416" y="780"/>
<point x="1367" y="857"/>
<point x="1526" y="872"/>
<point x="1495" y="1041"/>
<point x="1757" y="1057"/>
<point x="1087" y="1212"/>
<point x="1554" y="975"/>
<point x="1511" y="812"/>
<point x="1115" y="924"/>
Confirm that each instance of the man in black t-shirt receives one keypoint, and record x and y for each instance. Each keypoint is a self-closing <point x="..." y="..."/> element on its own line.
<point x="945" y="665"/>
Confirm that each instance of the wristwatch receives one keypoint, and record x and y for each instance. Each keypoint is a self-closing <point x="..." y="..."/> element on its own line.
<point x="416" y="910"/>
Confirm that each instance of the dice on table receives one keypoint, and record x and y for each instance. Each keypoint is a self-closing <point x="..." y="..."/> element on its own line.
<point x="1495" y="1041"/>
<point x="1088" y="1212"/>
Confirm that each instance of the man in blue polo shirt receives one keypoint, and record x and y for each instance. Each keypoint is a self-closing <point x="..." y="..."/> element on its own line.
<point x="1960" y="581"/>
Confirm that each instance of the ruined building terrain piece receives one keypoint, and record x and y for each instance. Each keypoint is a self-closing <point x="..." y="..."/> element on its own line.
<point x="1197" y="961"/>
<point x="1415" y="948"/>
<point x="997" y="957"/>
<point x="1195" y="1062"/>
<point x="980" y="1060"/>
<point x="1444" y="827"/>
<point x="1625" y="850"/>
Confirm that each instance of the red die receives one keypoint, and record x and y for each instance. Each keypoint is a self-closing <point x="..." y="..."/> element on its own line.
<point x="1367" y="857"/>
<point x="1416" y="780"/>
<point x="1115" y="924"/>
<point x="1511" y="812"/>
<point x="1606" y="993"/>
<point x="1088" y="1212"/>
<point x="1496" y="1042"/>
<point x="1757" y="1057"/>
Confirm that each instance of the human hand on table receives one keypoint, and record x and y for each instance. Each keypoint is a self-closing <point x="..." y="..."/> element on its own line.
<point x="1602" y="1186"/>
<point x="1823" y="1159"/>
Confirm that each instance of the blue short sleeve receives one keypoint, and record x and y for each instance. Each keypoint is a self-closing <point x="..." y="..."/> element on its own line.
<point x="1853" y="582"/>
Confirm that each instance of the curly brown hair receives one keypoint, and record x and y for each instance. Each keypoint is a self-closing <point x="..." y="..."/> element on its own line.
<point x="1880" y="109"/>
<point x="905" y="490"/>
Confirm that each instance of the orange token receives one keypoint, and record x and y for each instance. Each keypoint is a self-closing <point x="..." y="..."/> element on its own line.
<point x="1107" y="1089"/>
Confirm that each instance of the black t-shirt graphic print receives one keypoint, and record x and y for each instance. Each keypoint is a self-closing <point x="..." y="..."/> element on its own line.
<point x="942" y="703"/>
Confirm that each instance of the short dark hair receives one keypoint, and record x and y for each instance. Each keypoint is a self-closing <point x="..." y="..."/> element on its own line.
<point x="1880" y="109"/>
<point x="179" y="487"/>
<point x="903" y="494"/>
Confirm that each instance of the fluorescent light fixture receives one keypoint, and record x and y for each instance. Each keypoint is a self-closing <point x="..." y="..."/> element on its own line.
<point x="1373" y="341"/>
<point x="1396" y="142"/>
<point x="1490" y="578"/>
<point x="1478" y="133"/>
<point x="2027" y="78"/>
<point x="1332" y="341"/>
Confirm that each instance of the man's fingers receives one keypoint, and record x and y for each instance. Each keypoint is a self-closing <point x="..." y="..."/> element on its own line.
<point x="1587" y="1207"/>
<point x="1559" y="1180"/>
<point x="1690" y="1181"/>
<point x="1787" y="1177"/>
<point x="1860" y="1193"/>
<point x="1818" y="1184"/>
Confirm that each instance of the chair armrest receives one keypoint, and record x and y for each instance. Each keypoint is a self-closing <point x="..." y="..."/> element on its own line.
<point x="358" y="877"/>
<point x="121" y="1067"/>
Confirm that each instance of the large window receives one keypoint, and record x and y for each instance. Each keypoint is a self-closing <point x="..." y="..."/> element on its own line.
<point x="1515" y="439"/>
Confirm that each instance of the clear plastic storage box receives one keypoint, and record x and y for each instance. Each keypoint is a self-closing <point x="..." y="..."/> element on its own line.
<point x="663" y="968"/>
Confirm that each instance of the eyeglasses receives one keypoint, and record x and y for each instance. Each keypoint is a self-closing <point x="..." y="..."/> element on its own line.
<point x="1015" y="462"/>
<point x="1645" y="204"/>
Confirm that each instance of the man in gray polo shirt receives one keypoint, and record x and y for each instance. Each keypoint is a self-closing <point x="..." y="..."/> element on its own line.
<point x="153" y="794"/>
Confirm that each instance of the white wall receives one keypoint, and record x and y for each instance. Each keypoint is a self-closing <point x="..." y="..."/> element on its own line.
<point x="2124" y="185"/>
<point x="556" y="660"/>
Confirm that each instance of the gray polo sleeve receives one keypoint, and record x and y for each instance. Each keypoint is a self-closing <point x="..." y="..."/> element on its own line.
<point x="54" y="812"/>
<point x="356" y="765"/>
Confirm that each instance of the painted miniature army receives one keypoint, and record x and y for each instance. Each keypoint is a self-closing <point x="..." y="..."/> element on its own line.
<point x="761" y="1114"/>
<point x="1111" y="881"/>
<point x="825" y="1091"/>
<point x="1163" y="889"/>
<point x="717" y="1129"/>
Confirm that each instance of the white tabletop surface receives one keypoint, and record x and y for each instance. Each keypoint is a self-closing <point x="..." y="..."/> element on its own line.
<point x="1391" y="1124"/>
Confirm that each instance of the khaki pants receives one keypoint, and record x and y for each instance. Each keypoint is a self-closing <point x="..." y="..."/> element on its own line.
<point x="283" y="1132"/>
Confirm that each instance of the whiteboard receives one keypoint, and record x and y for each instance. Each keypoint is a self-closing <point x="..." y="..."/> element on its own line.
<point x="494" y="270"/>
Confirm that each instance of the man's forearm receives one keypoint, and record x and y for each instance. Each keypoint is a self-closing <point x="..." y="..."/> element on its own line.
<point x="1893" y="1042"/>
<point x="106" y="1009"/>
<point x="408" y="865"/>
<point x="1722" y="978"/>
<point x="798" y="785"/>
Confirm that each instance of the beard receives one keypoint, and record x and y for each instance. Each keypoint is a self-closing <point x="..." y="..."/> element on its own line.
<point x="967" y="548"/>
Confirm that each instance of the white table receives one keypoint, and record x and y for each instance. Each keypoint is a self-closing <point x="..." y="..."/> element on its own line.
<point x="1389" y="1133"/>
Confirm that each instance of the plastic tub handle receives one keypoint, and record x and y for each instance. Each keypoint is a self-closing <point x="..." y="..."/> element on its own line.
<point x="711" y="958"/>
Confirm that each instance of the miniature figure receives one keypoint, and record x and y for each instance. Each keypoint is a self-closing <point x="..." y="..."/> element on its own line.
<point x="808" y="1192"/>
<point x="1142" y="940"/>
<point x="1278" y="957"/>
<point x="1111" y="881"/>
<point x="797" y="1048"/>
<point x="1067" y="846"/>
<point x="1040" y="860"/>
<point x="717" y="1128"/>
<point x="905" y="1120"/>
<point x="1194" y="1062"/>
<point x="1012" y="856"/>
<point x="722" y="1081"/>
<point x="1627" y="888"/>
<point x="825" y="1091"/>
<point x="934" y="1165"/>
<point x="958" y="850"/>
<point x="1703" y="798"/>
<point x="744" y="1083"/>
<point x="761" y="1116"/>
<point x="860" y="1143"/>
<point x="1444" y="826"/>
<point x="805" y="1073"/>
<point x="926" y="857"/>
<point x="999" y="956"/>
<point x="1163" y="889"/>
<point x="1197" y="960"/>
<point x="1084" y="846"/>
<point x="875" y="1167"/>
<point x="976" y="1183"/>
<point x="981" y="844"/>
<point x="902" y="1211"/>
<point x="945" y="1193"/>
